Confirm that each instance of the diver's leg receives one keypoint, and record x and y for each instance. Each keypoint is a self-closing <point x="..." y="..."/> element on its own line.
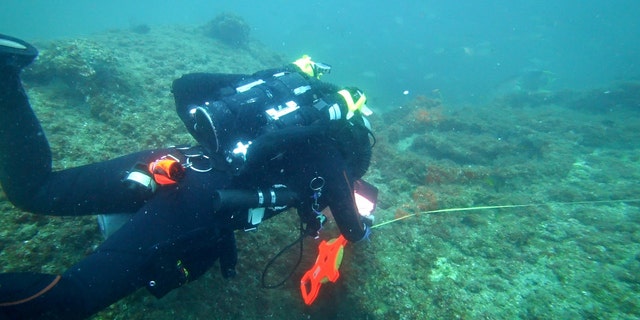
<point x="39" y="296"/>
<point x="16" y="53"/>
<point x="86" y="288"/>
<point x="25" y="157"/>
<point x="113" y="271"/>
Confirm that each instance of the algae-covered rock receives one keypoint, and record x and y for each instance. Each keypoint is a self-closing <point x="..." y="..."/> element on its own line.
<point x="83" y="73"/>
<point x="230" y="29"/>
<point x="84" y="68"/>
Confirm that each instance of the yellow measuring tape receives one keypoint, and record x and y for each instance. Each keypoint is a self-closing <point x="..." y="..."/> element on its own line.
<point x="510" y="206"/>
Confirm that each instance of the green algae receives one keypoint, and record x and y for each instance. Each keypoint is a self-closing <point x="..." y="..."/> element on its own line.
<point x="109" y="94"/>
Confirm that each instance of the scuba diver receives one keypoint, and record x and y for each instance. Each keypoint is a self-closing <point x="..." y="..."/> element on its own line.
<point x="273" y="140"/>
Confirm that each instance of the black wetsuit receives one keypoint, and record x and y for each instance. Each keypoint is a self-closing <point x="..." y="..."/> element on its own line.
<point x="175" y="234"/>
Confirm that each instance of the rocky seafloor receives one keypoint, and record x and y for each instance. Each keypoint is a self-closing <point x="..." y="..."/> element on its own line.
<point x="575" y="253"/>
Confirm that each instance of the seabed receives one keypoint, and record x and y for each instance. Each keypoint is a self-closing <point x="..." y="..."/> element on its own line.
<point x="109" y="94"/>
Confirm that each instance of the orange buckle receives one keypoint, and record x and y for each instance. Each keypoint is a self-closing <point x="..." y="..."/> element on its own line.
<point x="325" y="269"/>
<point x="166" y="171"/>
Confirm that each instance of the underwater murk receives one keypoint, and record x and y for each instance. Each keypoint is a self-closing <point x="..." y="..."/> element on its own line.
<point x="574" y="253"/>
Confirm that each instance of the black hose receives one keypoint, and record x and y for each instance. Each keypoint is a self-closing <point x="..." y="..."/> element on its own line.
<point x="272" y="261"/>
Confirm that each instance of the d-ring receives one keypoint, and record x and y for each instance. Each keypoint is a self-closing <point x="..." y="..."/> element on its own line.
<point x="316" y="183"/>
<point x="190" y="165"/>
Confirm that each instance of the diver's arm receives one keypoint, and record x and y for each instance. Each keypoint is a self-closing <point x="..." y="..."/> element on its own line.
<point x="341" y="201"/>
